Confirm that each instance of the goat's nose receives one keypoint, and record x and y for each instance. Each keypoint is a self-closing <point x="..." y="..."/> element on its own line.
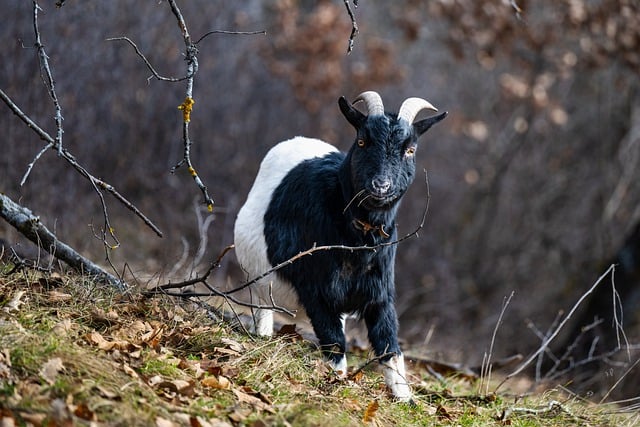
<point x="381" y="185"/>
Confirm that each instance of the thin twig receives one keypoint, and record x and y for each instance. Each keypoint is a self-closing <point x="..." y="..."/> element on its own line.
<point x="546" y="342"/>
<point x="241" y="33"/>
<point x="517" y="9"/>
<point x="146" y="61"/>
<point x="622" y="377"/>
<point x="362" y="367"/>
<point x="485" y="375"/>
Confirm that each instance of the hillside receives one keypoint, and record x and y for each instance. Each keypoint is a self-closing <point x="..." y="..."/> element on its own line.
<point x="75" y="353"/>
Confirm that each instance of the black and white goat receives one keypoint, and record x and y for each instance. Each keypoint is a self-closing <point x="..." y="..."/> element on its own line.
<point x="308" y="193"/>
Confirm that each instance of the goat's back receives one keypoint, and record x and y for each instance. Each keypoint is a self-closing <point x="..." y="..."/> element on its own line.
<point x="249" y="239"/>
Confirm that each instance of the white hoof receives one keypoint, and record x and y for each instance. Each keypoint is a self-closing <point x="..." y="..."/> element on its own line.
<point x="340" y="368"/>
<point x="396" y="378"/>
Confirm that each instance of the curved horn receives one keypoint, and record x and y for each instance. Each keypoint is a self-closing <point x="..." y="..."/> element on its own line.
<point x="412" y="106"/>
<point x="372" y="101"/>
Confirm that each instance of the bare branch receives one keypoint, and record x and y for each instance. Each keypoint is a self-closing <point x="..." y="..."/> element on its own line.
<point x="354" y="25"/>
<point x="146" y="61"/>
<point x="240" y="33"/>
<point x="191" y="57"/>
<point x="97" y="183"/>
<point x="550" y="338"/>
<point x="48" y="79"/>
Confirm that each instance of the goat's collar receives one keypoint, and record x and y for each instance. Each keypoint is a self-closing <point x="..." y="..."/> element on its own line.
<point x="367" y="228"/>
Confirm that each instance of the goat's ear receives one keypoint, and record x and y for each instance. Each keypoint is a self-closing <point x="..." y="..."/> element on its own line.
<point x="423" y="125"/>
<point x="353" y="116"/>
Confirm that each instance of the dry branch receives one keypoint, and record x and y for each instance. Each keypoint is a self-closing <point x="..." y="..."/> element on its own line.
<point x="551" y="337"/>
<point x="228" y="295"/>
<point x="191" y="58"/>
<point x="354" y="25"/>
<point x="30" y="226"/>
<point x="97" y="183"/>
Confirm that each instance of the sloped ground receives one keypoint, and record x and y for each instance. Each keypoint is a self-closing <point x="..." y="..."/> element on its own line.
<point x="74" y="353"/>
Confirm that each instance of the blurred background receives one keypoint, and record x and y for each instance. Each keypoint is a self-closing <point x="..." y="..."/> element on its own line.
<point x="533" y="178"/>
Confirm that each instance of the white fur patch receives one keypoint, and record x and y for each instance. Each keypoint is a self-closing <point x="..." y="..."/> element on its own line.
<point x="250" y="244"/>
<point x="396" y="378"/>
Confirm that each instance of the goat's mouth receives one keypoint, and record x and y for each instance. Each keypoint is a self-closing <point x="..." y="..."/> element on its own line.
<point x="373" y="201"/>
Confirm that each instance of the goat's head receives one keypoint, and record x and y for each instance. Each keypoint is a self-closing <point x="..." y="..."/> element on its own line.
<point x="382" y="159"/>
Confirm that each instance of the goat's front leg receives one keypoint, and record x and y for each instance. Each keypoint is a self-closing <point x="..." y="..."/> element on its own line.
<point x="329" y="329"/>
<point x="382" y="324"/>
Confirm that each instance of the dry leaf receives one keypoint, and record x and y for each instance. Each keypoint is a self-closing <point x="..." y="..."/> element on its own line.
<point x="83" y="411"/>
<point x="239" y="415"/>
<point x="357" y="377"/>
<point x="106" y="393"/>
<point x="7" y="420"/>
<point x="5" y="363"/>
<point x="100" y="316"/>
<point x="15" y="302"/>
<point x="62" y="328"/>
<point x="50" y="370"/>
<point x="233" y="345"/>
<point x="260" y="395"/>
<point x="446" y="413"/>
<point x="220" y="382"/>
<point x="96" y="338"/>
<point x="289" y="333"/>
<point x="370" y="412"/>
<point x="154" y="380"/>
<point x="256" y="402"/>
<point x="37" y="419"/>
<point x="212" y="422"/>
<point x="129" y="371"/>
<point x="55" y="296"/>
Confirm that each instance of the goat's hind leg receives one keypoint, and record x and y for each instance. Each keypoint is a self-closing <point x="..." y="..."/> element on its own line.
<point x="263" y="322"/>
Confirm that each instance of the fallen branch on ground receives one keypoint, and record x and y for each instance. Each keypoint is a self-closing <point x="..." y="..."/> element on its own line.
<point x="30" y="226"/>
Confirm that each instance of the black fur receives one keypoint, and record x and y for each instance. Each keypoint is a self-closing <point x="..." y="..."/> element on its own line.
<point x="319" y="203"/>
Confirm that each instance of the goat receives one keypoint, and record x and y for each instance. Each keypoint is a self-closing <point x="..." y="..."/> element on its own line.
<point x="308" y="193"/>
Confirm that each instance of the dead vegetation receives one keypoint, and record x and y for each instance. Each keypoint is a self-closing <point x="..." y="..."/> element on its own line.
<point x="75" y="353"/>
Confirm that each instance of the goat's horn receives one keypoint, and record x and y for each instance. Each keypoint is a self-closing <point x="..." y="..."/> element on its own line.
<point x="372" y="101"/>
<point x="412" y="106"/>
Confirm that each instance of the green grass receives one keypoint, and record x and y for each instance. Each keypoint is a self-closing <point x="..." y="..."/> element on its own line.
<point x="132" y="361"/>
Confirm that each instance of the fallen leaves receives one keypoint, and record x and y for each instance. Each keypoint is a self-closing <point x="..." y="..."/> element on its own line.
<point x="134" y="343"/>
<point x="370" y="412"/>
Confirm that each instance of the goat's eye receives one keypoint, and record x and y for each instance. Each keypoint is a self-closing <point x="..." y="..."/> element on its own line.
<point x="361" y="143"/>
<point x="410" y="151"/>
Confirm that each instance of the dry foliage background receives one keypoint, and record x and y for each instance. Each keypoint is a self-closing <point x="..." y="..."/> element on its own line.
<point x="533" y="177"/>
